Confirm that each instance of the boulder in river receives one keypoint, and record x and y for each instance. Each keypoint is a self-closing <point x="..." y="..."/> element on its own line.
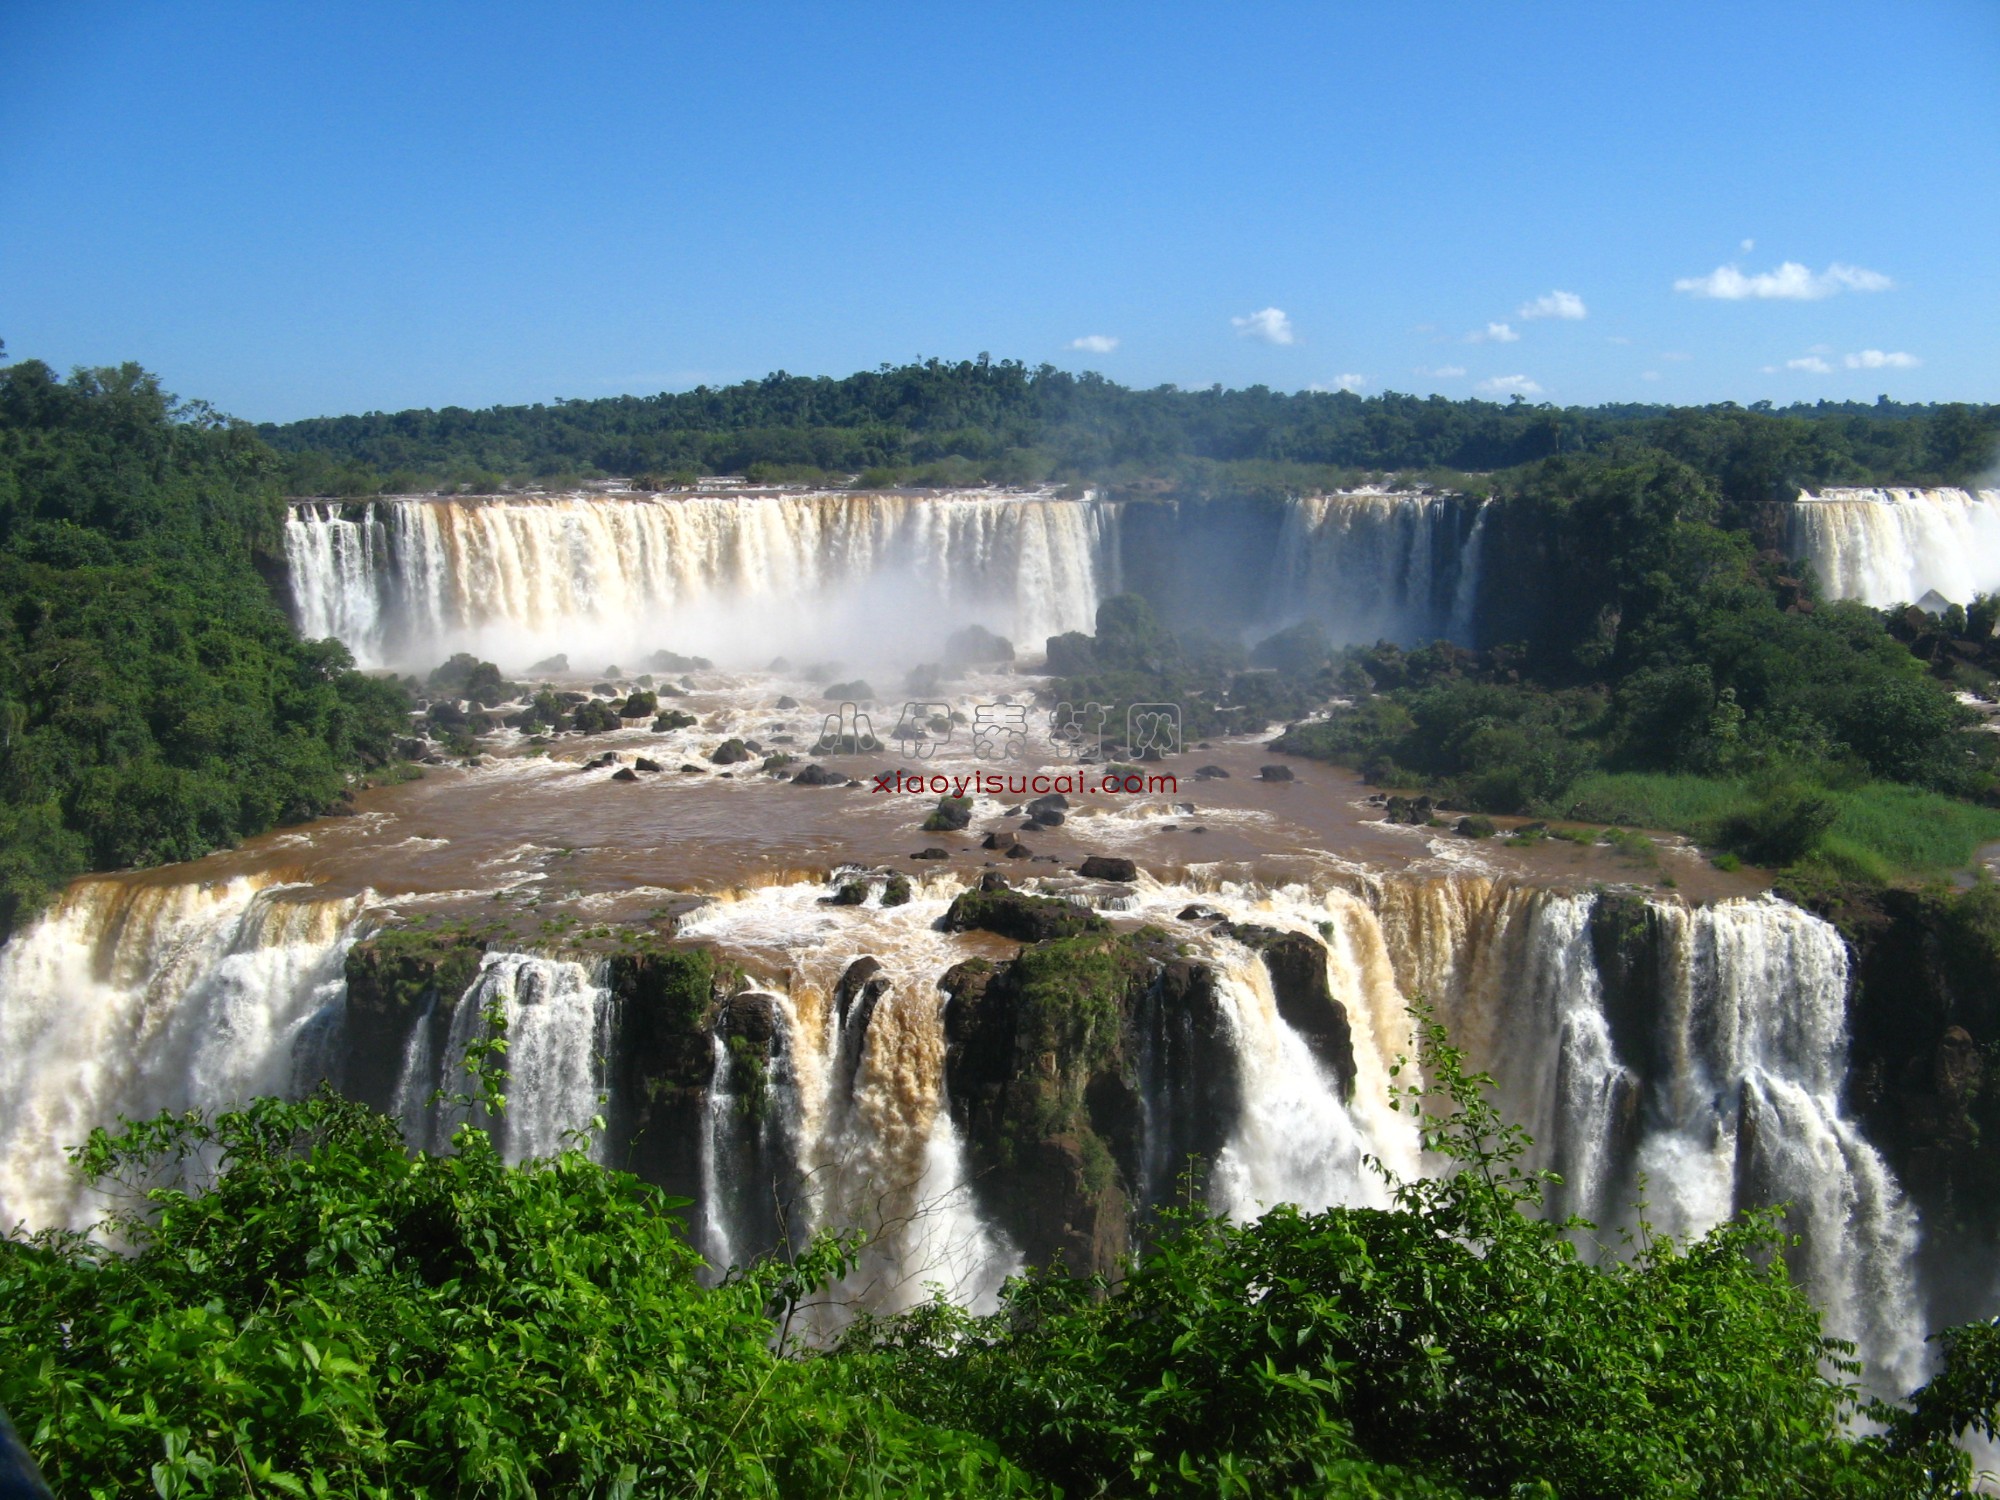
<point x="1108" y="867"/>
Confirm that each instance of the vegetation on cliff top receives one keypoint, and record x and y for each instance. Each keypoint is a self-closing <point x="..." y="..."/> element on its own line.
<point x="155" y="702"/>
<point x="985" y="421"/>
<point x="331" y="1314"/>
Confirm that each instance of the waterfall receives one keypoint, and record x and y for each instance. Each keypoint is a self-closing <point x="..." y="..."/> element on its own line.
<point x="1891" y="546"/>
<point x="558" y="1019"/>
<point x="1746" y="1112"/>
<point x="127" y="998"/>
<point x="1695" y="1054"/>
<point x="1372" y="565"/>
<point x="406" y="581"/>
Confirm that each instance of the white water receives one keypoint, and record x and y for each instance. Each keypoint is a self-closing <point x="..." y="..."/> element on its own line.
<point x="1891" y="546"/>
<point x="131" y="998"/>
<point x="127" y="1000"/>
<point x="1369" y="565"/>
<point x="558" y="1029"/>
<point x="610" y="579"/>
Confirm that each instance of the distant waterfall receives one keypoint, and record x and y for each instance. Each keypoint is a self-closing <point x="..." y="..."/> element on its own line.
<point x="1893" y="546"/>
<point x="406" y="581"/>
<point x="1372" y="565"/>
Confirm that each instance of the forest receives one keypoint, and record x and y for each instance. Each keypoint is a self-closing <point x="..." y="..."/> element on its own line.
<point x="155" y="702"/>
<point x="937" y="422"/>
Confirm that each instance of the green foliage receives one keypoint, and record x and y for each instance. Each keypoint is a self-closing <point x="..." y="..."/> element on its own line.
<point x="941" y="422"/>
<point x="154" y="701"/>
<point x="304" y="1307"/>
<point x="1455" y="1344"/>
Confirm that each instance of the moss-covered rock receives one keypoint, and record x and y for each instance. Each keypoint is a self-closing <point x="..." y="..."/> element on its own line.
<point x="1016" y="914"/>
<point x="398" y="979"/>
<point x="1297" y="966"/>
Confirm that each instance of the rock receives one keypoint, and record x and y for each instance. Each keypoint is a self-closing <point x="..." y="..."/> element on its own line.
<point x="669" y="690"/>
<point x="755" y="1018"/>
<point x="1475" y="827"/>
<point x="1018" y="915"/>
<point x="851" y="893"/>
<point x="817" y="775"/>
<point x="639" y="705"/>
<point x="1108" y="867"/>
<point x="1048" y="817"/>
<point x="779" y="664"/>
<point x="1416" y="811"/>
<point x="861" y="986"/>
<point x="1020" y="851"/>
<point x="643" y="764"/>
<point x="624" y="773"/>
<point x="977" y="646"/>
<point x="932" y="853"/>
<point x="1297" y="966"/>
<point x="1000" y="840"/>
<point x="786" y="700"/>
<point x="691" y="770"/>
<point x="951" y="815"/>
<point x="608" y="758"/>
<point x="1199" y="913"/>
<point x="673" y="661"/>
<point x="1956" y="1067"/>
<point x="673" y="719"/>
<point x="1275" y="773"/>
<point x="897" y="891"/>
<point x="729" y="753"/>
<point x="548" y="664"/>
<point x="856" y="691"/>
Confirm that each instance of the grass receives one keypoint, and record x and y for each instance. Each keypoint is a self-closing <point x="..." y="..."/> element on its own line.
<point x="1882" y="831"/>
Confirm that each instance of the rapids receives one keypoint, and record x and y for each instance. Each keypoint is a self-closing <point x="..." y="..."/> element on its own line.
<point x="1684" y="1045"/>
<point x="1892" y="546"/>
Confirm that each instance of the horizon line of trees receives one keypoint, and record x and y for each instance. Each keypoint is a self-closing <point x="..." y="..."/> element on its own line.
<point x="1001" y="421"/>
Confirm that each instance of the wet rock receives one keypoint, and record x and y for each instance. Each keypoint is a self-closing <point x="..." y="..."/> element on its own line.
<point x="1297" y="966"/>
<point x="855" y="691"/>
<point x="1415" y="811"/>
<point x="1108" y="867"/>
<point x="550" y="664"/>
<point x="753" y="1017"/>
<point x="786" y="700"/>
<point x="1020" y="916"/>
<point x="673" y="719"/>
<point x="1199" y="913"/>
<point x="951" y="815"/>
<point x="729" y="753"/>
<point x="1051" y="802"/>
<point x="1473" y="826"/>
<point x="817" y="775"/>
<point x="932" y="853"/>
<point x="1275" y="773"/>
<point x="862" y="985"/>
<point x="643" y="764"/>
<point x="976" y="646"/>
<point x="1020" y="851"/>
<point x="851" y="893"/>
<point x="1000" y="840"/>
<point x="1048" y="817"/>
<point x="897" y="891"/>
<point x="691" y="770"/>
<point x="624" y="773"/>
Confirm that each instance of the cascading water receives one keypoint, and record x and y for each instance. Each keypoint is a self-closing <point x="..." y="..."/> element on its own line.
<point x="1889" y="546"/>
<point x="1697" y="1051"/>
<point x="130" y="999"/>
<point x="406" y="581"/>
<point x="558" y="1015"/>
<point x="1370" y="565"/>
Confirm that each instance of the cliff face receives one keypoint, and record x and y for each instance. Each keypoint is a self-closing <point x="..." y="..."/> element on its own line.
<point x="1090" y="1073"/>
<point x="399" y="980"/>
<point x="1925" y="1020"/>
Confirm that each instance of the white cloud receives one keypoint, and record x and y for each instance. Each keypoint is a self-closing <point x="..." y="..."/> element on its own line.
<point x="1791" y="282"/>
<point x="1270" y="325"/>
<point x="1812" y="364"/>
<point x="1748" y="246"/>
<point x="1346" y="383"/>
<point x="1493" y="333"/>
<point x="1445" y="372"/>
<point x="1616" y="338"/>
<point x="1095" y="343"/>
<point x="1649" y="374"/>
<point x="1509" y="385"/>
<point x="1565" y="305"/>
<point x="1875" y="359"/>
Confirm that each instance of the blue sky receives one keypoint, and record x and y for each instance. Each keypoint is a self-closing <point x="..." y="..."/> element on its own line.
<point x="292" y="210"/>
